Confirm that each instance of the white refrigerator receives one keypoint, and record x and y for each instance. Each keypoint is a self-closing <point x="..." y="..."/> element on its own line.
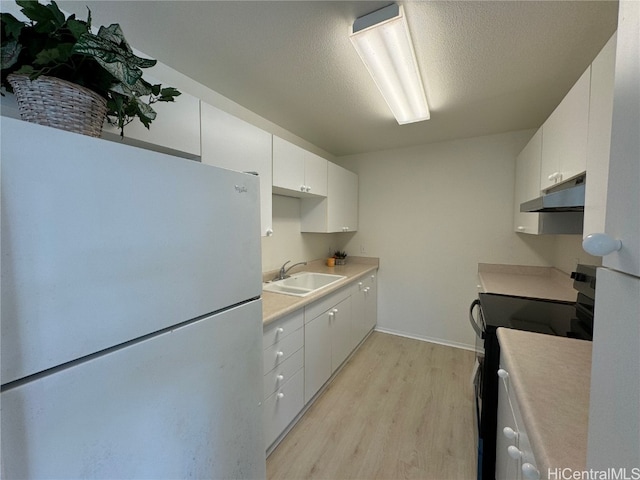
<point x="131" y="332"/>
<point x="614" y="414"/>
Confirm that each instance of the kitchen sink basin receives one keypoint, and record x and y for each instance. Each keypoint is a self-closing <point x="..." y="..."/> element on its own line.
<point x="302" y="284"/>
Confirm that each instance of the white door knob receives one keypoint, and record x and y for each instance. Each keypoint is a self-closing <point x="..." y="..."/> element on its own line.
<point x="521" y="228"/>
<point x="502" y="373"/>
<point x="280" y="330"/>
<point x="514" y="452"/>
<point x="280" y="354"/>
<point x="530" y="471"/>
<point x="269" y="232"/>
<point x="600" y="244"/>
<point x="280" y="395"/>
<point x="510" y="433"/>
<point x="335" y="310"/>
<point x="308" y="189"/>
<point x="280" y="377"/>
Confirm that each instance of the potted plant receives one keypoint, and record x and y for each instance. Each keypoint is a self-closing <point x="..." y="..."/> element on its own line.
<point x="58" y="55"/>
<point x="341" y="257"/>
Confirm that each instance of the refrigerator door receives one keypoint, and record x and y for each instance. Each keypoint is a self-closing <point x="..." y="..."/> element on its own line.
<point x="182" y="404"/>
<point x="103" y="243"/>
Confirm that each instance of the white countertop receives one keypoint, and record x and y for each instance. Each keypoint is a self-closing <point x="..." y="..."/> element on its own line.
<point x="550" y="377"/>
<point x="276" y="305"/>
<point x="526" y="281"/>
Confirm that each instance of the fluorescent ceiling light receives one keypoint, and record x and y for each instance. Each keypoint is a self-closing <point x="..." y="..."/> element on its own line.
<point x="382" y="40"/>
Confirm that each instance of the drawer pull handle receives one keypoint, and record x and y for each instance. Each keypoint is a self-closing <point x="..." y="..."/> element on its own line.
<point x="510" y="433"/>
<point x="280" y="377"/>
<point x="280" y="354"/>
<point x="280" y="330"/>
<point x="530" y="471"/>
<point x="502" y="373"/>
<point x="280" y="395"/>
<point x="514" y="452"/>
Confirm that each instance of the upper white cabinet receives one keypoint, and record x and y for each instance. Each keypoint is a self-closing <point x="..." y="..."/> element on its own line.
<point x="339" y="211"/>
<point x="527" y="187"/>
<point x="297" y="172"/>
<point x="176" y="129"/>
<point x="564" y="146"/>
<point x="528" y="184"/>
<point x="231" y="143"/>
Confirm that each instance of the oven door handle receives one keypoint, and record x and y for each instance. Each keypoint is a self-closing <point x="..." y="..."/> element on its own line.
<point x="474" y="323"/>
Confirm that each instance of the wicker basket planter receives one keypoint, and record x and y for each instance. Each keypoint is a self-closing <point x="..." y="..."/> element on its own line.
<point x="60" y="104"/>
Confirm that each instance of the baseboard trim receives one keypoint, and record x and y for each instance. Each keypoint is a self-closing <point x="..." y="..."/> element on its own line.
<point x="439" y="341"/>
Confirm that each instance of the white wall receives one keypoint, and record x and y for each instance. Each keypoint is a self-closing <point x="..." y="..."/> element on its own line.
<point x="287" y="243"/>
<point x="568" y="253"/>
<point x="432" y="213"/>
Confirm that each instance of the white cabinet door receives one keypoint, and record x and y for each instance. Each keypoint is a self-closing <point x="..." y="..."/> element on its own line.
<point x="371" y="302"/>
<point x="339" y="211"/>
<point x="528" y="184"/>
<point x="317" y="354"/>
<point x="564" y="144"/>
<point x="507" y="467"/>
<point x="343" y="200"/>
<point x="231" y="143"/>
<point x="340" y="318"/>
<point x="315" y="174"/>
<point x="297" y="172"/>
<point x="364" y="308"/>
<point x="176" y="129"/>
<point x="599" y="139"/>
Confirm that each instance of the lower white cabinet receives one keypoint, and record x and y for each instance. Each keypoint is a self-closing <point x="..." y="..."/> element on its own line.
<point x="514" y="456"/>
<point x="364" y="308"/>
<point x="283" y="343"/>
<point x="327" y="338"/>
<point x="303" y="349"/>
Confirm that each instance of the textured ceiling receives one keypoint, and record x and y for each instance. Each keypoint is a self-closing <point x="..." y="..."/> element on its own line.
<point x="489" y="67"/>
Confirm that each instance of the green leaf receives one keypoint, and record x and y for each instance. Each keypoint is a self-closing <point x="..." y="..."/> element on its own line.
<point x="167" y="94"/>
<point x="26" y="70"/>
<point x="11" y="25"/>
<point x="48" y="18"/>
<point x="9" y="54"/>
<point x="77" y="27"/>
<point x="60" y="54"/>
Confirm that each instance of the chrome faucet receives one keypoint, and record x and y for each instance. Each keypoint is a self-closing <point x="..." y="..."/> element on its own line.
<point x="283" y="271"/>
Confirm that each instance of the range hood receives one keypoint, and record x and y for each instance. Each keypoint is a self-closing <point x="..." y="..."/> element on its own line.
<point x="568" y="197"/>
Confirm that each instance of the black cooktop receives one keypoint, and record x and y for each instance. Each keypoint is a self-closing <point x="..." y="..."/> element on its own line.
<point x="542" y="316"/>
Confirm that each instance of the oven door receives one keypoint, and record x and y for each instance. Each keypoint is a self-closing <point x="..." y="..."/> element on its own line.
<point x="477" y="379"/>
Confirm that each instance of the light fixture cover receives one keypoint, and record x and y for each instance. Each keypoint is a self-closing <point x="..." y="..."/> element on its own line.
<point x="383" y="42"/>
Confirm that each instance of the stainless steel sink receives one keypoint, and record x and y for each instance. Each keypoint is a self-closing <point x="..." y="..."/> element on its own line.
<point x="302" y="284"/>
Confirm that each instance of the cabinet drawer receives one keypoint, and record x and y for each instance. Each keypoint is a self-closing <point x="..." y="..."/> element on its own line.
<point x="318" y="308"/>
<point x="282" y="407"/>
<point x="277" y="353"/>
<point x="282" y="328"/>
<point x="286" y="370"/>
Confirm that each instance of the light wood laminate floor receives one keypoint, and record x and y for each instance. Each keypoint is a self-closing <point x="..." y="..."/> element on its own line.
<point x="399" y="409"/>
